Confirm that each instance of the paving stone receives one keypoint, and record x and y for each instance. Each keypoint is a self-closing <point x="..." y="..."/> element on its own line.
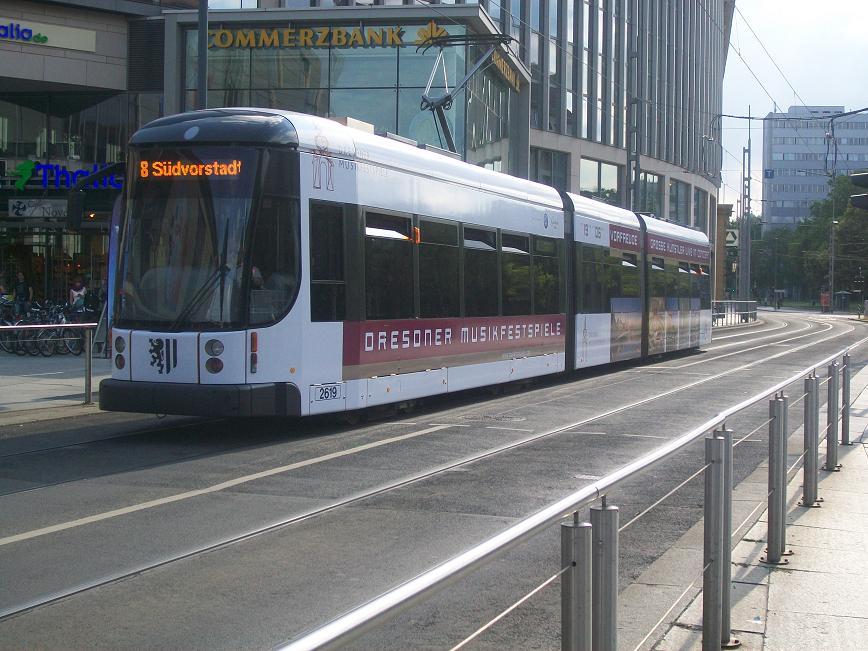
<point x="817" y="593"/>
<point x="788" y="631"/>
<point x="748" y="603"/>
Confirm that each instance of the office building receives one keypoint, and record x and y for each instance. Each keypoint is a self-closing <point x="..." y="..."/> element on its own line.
<point x="802" y="149"/>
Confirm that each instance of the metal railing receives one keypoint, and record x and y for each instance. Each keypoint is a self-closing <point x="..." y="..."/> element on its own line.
<point x="88" y="329"/>
<point x="589" y="551"/>
<point x="728" y="313"/>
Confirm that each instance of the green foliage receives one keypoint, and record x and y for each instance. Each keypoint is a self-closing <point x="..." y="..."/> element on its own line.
<point x="798" y="259"/>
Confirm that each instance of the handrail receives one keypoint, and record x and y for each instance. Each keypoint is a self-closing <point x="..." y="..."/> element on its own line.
<point x="49" y="326"/>
<point x="356" y="622"/>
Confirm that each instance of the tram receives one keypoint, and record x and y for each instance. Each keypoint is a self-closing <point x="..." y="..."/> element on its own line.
<point x="276" y="263"/>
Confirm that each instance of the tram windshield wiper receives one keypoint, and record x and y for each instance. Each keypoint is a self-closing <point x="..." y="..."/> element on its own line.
<point x="200" y="294"/>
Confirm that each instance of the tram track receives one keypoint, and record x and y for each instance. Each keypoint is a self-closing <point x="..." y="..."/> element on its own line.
<point x="381" y="489"/>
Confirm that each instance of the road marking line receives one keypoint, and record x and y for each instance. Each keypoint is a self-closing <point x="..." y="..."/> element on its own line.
<point x="37" y="374"/>
<point x="63" y="526"/>
<point x="508" y="429"/>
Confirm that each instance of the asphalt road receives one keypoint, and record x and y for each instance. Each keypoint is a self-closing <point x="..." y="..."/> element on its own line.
<point x="129" y="532"/>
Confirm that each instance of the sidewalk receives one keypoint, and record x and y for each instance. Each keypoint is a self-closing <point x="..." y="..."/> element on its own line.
<point x="42" y="388"/>
<point x="819" y="600"/>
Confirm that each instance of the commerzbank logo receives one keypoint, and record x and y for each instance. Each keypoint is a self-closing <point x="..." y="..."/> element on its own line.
<point x="18" y="32"/>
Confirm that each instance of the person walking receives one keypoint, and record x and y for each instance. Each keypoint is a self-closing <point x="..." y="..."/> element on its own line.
<point x="22" y="295"/>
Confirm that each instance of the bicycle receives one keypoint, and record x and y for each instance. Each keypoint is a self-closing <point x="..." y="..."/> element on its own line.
<point x="51" y="340"/>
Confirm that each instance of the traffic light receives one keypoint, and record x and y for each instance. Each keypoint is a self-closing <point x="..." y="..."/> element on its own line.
<point x="860" y="200"/>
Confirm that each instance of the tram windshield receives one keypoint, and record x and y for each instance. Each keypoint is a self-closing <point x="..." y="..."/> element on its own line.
<point x="205" y="245"/>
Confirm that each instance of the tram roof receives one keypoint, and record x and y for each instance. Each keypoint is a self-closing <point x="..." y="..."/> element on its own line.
<point x="599" y="210"/>
<point x="676" y="231"/>
<point x="321" y="135"/>
<point x="623" y="217"/>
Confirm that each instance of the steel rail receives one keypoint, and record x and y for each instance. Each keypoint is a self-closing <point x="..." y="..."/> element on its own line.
<point x="355" y="623"/>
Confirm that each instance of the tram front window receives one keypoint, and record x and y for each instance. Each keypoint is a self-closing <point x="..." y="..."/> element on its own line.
<point x="189" y="238"/>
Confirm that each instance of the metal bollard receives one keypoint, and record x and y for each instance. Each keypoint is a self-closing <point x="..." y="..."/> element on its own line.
<point x="726" y="639"/>
<point x="845" y="401"/>
<point x="777" y="480"/>
<point x="832" y="420"/>
<point x="576" y="609"/>
<point x="712" y="548"/>
<point x="811" y="430"/>
<point x="88" y="366"/>
<point x="604" y="521"/>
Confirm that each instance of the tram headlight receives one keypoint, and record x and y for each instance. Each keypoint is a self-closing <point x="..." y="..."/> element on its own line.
<point x="120" y="362"/>
<point x="214" y="365"/>
<point x="214" y="347"/>
<point x="120" y="344"/>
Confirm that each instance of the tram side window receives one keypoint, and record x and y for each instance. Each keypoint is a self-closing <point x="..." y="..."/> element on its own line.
<point x="695" y="286"/>
<point x="684" y="285"/>
<point x="328" y="293"/>
<point x="388" y="267"/>
<point x="657" y="279"/>
<point x="629" y="266"/>
<point x="480" y="272"/>
<point x="275" y="259"/>
<point x="546" y="276"/>
<point x="516" y="274"/>
<point x="704" y="288"/>
<point x="438" y="269"/>
<point x="590" y="283"/>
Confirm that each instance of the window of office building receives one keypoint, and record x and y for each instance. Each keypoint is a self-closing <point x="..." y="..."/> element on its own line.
<point x="700" y="209"/>
<point x="549" y="167"/>
<point x="651" y="193"/>
<point x="600" y="181"/>
<point x="679" y="202"/>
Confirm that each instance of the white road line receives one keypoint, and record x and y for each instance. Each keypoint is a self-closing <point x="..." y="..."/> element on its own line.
<point x="63" y="526"/>
<point x="741" y="343"/>
<point x="747" y="350"/>
<point x="784" y="324"/>
<point x="27" y="535"/>
<point x="38" y="374"/>
<point x="508" y="429"/>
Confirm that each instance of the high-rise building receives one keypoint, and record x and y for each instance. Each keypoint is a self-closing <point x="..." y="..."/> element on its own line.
<point x="802" y="150"/>
<point x="618" y="99"/>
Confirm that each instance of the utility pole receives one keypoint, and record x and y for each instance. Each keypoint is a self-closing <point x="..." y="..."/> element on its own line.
<point x="745" y="230"/>
<point x="635" y="105"/>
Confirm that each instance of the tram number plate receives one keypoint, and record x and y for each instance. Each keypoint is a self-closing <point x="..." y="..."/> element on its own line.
<point x="327" y="392"/>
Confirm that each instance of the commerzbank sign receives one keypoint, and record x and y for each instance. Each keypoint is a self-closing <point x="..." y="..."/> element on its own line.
<point x="339" y="37"/>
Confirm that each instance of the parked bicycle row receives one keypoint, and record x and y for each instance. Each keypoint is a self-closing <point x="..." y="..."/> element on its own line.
<point x="59" y="339"/>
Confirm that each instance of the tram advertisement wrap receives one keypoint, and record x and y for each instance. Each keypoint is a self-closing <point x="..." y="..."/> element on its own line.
<point x="381" y="347"/>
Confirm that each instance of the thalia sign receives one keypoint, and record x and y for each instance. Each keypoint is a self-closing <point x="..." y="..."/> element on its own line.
<point x="15" y="32"/>
<point x="57" y="36"/>
<point x="59" y="177"/>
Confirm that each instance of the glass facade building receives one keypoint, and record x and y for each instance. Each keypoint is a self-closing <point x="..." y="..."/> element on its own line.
<point x="565" y="103"/>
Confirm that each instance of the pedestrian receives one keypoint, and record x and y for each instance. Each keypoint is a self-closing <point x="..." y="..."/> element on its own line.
<point x="77" y="292"/>
<point x="22" y="295"/>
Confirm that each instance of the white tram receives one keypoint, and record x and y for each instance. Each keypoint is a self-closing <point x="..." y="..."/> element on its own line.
<point x="275" y="263"/>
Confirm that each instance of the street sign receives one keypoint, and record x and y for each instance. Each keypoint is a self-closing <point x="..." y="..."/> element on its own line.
<point x="732" y="237"/>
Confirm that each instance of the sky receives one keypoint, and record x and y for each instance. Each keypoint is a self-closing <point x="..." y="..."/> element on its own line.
<point x="822" y="50"/>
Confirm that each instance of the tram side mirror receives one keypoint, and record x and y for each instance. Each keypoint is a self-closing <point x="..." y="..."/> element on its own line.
<point x="75" y="207"/>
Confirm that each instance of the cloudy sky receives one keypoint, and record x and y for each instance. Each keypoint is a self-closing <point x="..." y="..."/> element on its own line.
<point x="822" y="50"/>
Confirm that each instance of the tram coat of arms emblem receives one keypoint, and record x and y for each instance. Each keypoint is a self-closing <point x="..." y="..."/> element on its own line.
<point x="164" y="354"/>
